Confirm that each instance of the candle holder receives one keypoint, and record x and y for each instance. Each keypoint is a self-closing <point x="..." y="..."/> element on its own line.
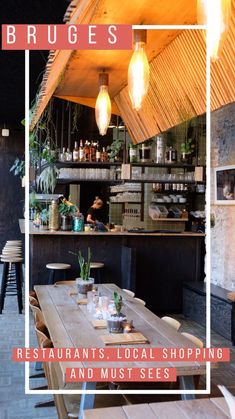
<point x="127" y="326"/>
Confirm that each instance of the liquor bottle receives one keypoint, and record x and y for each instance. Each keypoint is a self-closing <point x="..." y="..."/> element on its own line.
<point x="97" y="153"/>
<point x="69" y="155"/>
<point x="104" y="155"/>
<point x="92" y="152"/>
<point x="75" y="152"/>
<point x="86" y="151"/>
<point x="62" y="156"/>
<point x="81" y="151"/>
<point x="133" y="153"/>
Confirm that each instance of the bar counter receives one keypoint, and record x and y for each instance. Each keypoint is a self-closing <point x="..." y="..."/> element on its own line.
<point x="154" y="265"/>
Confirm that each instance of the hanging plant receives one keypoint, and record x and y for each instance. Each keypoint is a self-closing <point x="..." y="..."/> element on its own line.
<point x="46" y="181"/>
<point x="76" y="114"/>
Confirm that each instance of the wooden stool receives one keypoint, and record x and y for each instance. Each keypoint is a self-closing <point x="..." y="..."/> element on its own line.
<point x="97" y="266"/>
<point x="56" y="267"/>
<point x="11" y="283"/>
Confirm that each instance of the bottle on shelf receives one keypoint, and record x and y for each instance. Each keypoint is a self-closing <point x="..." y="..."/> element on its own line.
<point x="86" y="151"/>
<point x="133" y="153"/>
<point x="160" y="150"/>
<point x="69" y="155"/>
<point x="81" y="151"/>
<point x="76" y="152"/>
<point x="97" y="153"/>
<point x="92" y="152"/>
<point x="171" y="155"/>
<point x="104" y="155"/>
<point x="62" y="155"/>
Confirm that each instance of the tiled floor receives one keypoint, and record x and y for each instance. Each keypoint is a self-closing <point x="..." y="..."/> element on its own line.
<point x="14" y="404"/>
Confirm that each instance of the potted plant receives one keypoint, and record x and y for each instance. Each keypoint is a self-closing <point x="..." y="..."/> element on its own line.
<point x="115" y="316"/>
<point x="44" y="219"/>
<point x="84" y="282"/>
<point x="34" y="206"/>
<point x="67" y="210"/>
<point x="187" y="149"/>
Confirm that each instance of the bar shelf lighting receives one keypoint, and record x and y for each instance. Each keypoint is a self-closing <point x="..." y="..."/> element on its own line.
<point x="103" y="104"/>
<point x="138" y="71"/>
<point x="216" y="14"/>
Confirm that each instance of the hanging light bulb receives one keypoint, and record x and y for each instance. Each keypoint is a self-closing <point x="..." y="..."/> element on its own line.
<point x="138" y="71"/>
<point x="216" y="14"/>
<point x="103" y="105"/>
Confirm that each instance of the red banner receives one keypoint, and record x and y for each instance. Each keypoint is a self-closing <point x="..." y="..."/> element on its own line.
<point x="66" y="37"/>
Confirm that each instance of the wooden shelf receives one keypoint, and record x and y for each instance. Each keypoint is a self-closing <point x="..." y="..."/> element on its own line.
<point x="182" y="220"/>
<point x="72" y="164"/>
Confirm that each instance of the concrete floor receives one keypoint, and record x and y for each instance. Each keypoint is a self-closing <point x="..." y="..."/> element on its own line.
<point x="15" y="404"/>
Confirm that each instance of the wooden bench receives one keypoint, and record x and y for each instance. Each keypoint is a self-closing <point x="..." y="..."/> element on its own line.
<point x="206" y="408"/>
<point x="222" y="309"/>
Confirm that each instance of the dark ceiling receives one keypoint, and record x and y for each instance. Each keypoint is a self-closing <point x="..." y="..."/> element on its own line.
<point x="12" y="62"/>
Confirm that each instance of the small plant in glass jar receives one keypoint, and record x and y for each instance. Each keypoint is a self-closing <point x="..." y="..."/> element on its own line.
<point x="115" y="316"/>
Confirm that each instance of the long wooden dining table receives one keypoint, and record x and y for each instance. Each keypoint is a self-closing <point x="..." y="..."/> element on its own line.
<point x="70" y="326"/>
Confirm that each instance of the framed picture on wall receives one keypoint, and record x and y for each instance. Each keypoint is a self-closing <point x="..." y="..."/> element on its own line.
<point x="225" y="185"/>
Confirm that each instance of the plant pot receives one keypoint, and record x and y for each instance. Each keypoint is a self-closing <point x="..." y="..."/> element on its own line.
<point x="186" y="158"/>
<point x="114" y="323"/>
<point x="43" y="226"/>
<point x="84" y="286"/>
<point x="66" y="222"/>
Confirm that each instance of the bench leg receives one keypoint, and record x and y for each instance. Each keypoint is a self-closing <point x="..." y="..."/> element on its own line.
<point x="187" y="383"/>
<point x="87" y="400"/>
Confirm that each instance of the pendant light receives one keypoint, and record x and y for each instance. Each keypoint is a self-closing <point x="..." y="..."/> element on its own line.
<point x="138" y="71"/>
<point x="103" y="105"/>
<point x="218" y="13"/>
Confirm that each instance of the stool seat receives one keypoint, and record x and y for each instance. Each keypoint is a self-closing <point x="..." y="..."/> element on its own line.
<point x="97" y="265"/>
<point x="59" y="266"/>
<point x="11" y="259"/>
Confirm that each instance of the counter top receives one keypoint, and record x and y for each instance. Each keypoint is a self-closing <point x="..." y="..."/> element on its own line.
<point x="36" y="232"/>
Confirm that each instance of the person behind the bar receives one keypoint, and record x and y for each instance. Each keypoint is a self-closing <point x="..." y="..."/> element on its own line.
<point x="94" y="212"/>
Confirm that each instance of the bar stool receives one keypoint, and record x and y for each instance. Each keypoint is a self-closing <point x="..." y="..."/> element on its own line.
<point x="53" y="267"/>
<point x="97" y="267"/>
<point x="11" y="279"/>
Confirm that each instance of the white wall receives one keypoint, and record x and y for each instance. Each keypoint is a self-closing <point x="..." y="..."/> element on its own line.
<point x="223" y="234"/>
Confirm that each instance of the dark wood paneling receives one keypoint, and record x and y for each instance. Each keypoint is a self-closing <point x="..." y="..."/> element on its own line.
<point x="11" y="192"/>
<point x="163" y="263"/>
<point x="222" y="309"/>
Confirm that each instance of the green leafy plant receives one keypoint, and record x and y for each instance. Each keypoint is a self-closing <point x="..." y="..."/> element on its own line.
<point x="44" y="216"/>
<point x="118" y="302"/>
<point x="188" y="147"/>
<point x="85" y="266"/>
<point x="65" y="209"/>
<point x="34" y="204"/>
<point x="18" y="167"/>
<point x="115" y="148"/>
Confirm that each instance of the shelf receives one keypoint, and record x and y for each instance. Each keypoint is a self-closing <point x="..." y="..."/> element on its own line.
<point x="86" y="164"/>
<point x="182" y="220"/>
<point x="185" y="182"/>
<point x="125" y="202"/>
<point x="169" y="203"/>
<point x="71" y="164"/>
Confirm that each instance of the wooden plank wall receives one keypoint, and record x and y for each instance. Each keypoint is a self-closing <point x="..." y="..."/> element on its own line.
<point x="177" y="88"/>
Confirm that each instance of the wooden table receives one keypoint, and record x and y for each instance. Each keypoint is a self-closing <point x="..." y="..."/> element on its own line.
<point x="69" y="326"/>
<point x="201" y="409"/>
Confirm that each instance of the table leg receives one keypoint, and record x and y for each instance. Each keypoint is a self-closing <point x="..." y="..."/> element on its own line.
<point x="187" y="383"/>
<point x="87" y="400"/>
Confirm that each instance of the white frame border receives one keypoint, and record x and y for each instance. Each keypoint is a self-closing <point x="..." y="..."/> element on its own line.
<point x="207" y="390"/>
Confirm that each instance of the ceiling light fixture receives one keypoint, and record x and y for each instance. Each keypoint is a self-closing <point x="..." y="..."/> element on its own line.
<point x="103" y="104"/>
<point x="138" y="71"/>
<point x="216" y="14"/>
